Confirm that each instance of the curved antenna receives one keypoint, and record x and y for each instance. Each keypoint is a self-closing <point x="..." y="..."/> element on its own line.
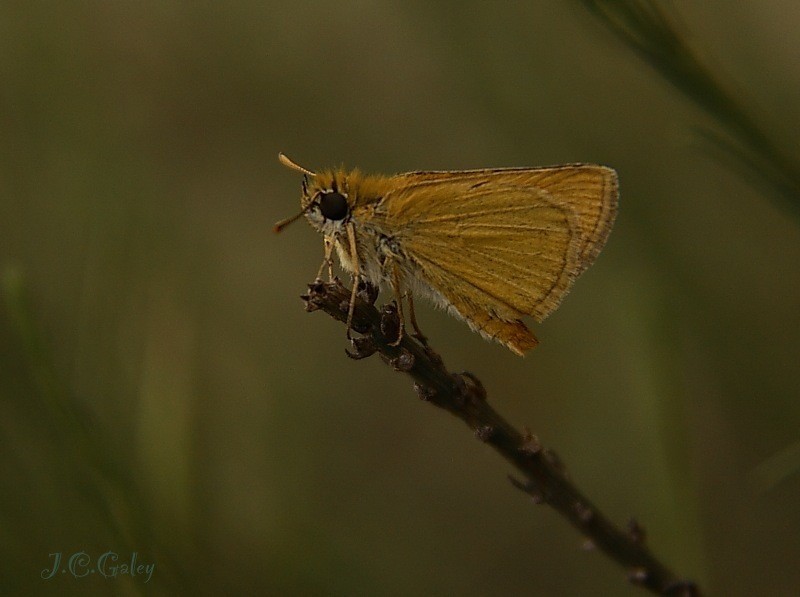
<point x="284" y="223"/>
<point x="290" y="164"/>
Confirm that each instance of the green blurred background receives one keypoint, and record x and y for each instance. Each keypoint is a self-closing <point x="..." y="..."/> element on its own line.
<point x="162" y="390"/>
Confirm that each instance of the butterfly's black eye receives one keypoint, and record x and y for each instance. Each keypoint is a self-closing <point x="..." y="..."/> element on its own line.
<point x="333" y="206"/>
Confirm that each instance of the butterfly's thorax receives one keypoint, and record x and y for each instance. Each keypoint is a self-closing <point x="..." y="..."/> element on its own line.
<point x="379" y="239"/>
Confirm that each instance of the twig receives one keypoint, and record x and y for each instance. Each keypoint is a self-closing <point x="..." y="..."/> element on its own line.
<point x="463" y="395"/>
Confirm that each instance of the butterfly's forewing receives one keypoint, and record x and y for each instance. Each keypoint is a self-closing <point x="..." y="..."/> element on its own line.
<point x="499" y="244"/>
<point x="591" y="193"/>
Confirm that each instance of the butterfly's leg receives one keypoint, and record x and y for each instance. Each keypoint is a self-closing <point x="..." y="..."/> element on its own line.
<point x="351" y="237"/>
<point x="418" y="333"/>
<point x="398" y="297"/>
<point x="327" y="260"/>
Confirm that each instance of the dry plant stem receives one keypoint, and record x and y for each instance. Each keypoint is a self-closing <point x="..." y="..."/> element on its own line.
<point x="462" y="395"/>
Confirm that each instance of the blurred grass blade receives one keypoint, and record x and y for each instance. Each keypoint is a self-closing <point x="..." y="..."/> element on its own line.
<point x="776" y="469"/>
<point x="646" y="28"/>
<point x="84" y="448"/>
<point x="22" y="326"/>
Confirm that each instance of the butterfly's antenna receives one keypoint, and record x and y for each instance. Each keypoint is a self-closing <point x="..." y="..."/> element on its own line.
<point x="284" y="223"/>
<point x="290" y="164"/>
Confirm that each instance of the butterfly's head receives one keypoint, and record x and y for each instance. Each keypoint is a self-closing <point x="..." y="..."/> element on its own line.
<point x="324" y="200"/>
